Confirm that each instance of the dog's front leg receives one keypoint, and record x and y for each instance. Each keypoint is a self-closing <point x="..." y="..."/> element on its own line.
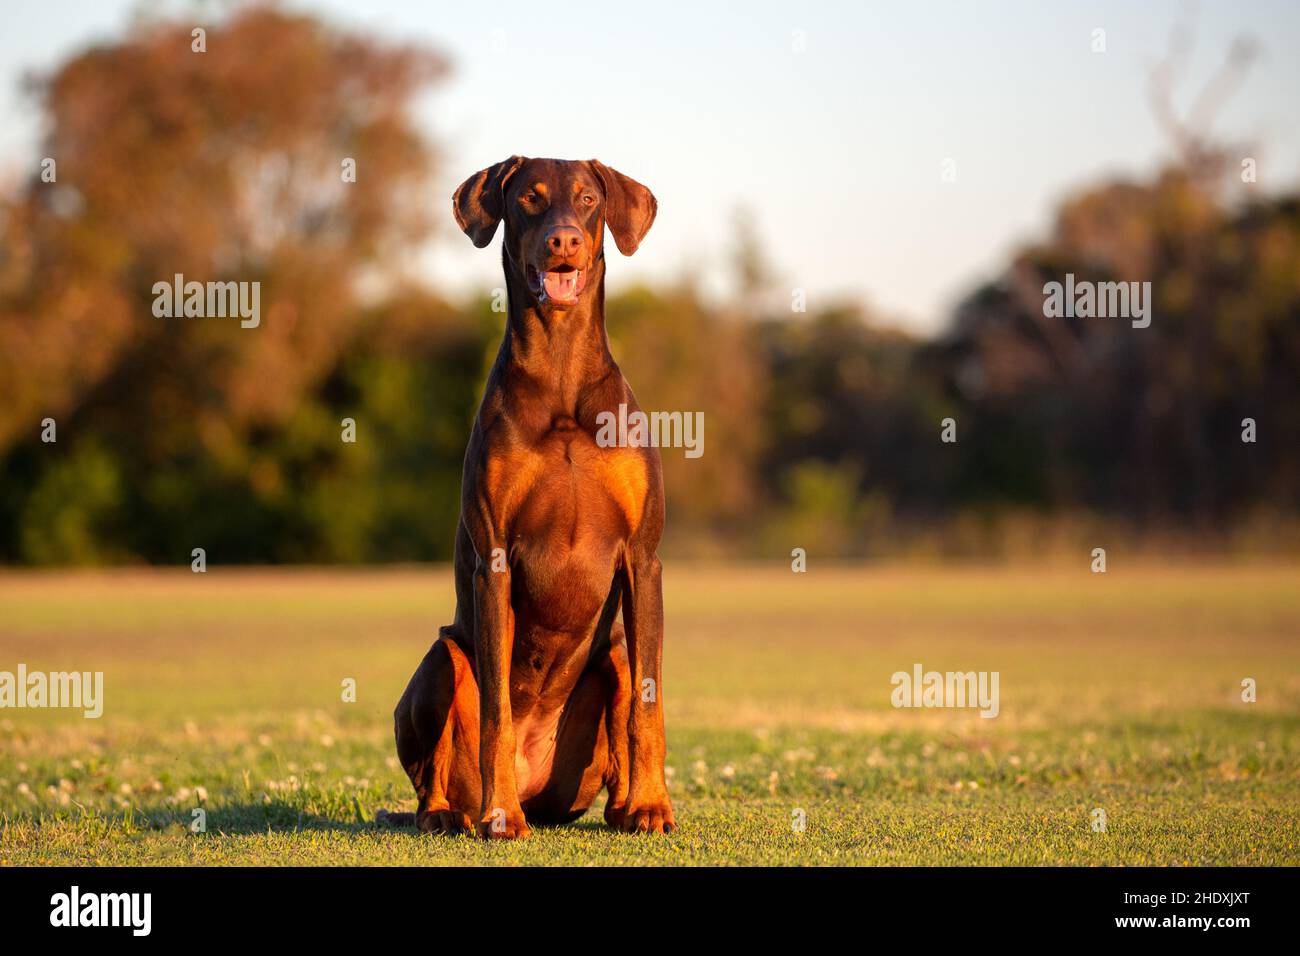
<point x="500" y="816"/>
<point x="648" y="806"/>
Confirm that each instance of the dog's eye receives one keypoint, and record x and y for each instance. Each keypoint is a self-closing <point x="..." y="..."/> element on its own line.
<point x="529" y="197"/>
<point x="589" y="200"/>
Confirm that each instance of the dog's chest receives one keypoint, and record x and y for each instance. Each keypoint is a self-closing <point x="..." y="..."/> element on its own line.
<point x="572" y="521"/>
<point x="578" y="492"/>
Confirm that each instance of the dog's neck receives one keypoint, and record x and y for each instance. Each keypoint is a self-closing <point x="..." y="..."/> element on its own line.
<point x="562" y="350"/>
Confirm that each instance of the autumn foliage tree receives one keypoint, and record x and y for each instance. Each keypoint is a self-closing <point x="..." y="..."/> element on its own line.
<point x="222" y="156"/>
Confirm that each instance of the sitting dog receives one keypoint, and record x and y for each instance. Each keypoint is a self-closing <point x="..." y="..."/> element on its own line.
<point x="536" y="696"/>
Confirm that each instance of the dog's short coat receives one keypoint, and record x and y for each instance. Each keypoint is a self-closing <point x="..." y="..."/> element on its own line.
<point x="536" y="696"/>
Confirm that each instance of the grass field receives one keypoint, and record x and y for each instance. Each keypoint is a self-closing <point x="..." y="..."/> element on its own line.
<point x="1119" y="691"/>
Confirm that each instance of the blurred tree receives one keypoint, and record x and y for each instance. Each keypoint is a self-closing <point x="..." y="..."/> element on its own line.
<point x="1146" y="423"/>
<point x="219" y="165"/>
<point x="1142" y="422"/>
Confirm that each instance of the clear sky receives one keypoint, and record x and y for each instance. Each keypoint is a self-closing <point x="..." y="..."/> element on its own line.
<point x="837" y="148"/>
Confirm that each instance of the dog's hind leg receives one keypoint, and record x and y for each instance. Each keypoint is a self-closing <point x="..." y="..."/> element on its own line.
<point x="436" y="724"/>
<point x="591" y="743"/>
<point x="582" y="762"/>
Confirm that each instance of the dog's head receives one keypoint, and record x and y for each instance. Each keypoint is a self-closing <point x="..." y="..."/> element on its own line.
<point x="555" y="212"/>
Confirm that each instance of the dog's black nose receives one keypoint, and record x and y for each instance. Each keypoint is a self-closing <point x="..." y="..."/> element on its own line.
<point x="564" y="241"/>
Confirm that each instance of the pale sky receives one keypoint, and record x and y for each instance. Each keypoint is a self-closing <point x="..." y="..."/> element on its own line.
<point x="837" y="149"/>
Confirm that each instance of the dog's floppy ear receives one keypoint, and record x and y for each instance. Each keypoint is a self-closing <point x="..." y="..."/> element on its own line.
<point x="629" y="207"/>
<point x="480" y="201"/>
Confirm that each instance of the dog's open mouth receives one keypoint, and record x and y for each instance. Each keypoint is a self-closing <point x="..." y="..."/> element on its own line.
<point x="561" y="286"/>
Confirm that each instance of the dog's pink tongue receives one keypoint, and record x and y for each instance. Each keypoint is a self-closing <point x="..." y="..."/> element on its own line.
<point x="561" y="286"/>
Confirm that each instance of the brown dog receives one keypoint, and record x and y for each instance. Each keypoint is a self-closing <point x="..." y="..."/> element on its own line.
<point x="532" y="699"/>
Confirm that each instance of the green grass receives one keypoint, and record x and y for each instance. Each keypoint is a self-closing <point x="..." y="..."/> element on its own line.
<point x="1119" y="691"/>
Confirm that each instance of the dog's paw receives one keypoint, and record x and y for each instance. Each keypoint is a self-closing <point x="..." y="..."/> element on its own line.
<point x="446" y="822"/>
<point x="653" y="816"/>
<point x="614" y="814"/>
<point x="502" y="824"/>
